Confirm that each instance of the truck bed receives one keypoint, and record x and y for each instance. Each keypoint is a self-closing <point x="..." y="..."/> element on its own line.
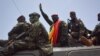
<point x="65" y="51"/>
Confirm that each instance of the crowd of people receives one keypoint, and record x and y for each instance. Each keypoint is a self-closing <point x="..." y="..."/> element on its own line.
<point x="33" y="35"/>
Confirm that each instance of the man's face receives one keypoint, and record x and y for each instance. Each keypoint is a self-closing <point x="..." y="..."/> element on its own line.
<point x="33" y="19"/>
<point x="54" y="18"/>
<point x="73" y="16"/>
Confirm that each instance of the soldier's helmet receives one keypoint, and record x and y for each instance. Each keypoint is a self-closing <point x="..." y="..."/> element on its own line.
<point x="21" y="18"/>
<point x="34" y="14"/>
<point x="98" y="16"/>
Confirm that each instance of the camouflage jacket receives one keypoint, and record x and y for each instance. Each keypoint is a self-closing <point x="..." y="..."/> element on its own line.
<point x="18" y="29"/>
<point x="76" y="26"/>
<point x="96" y="33"/>
<point x="38" y="35"/>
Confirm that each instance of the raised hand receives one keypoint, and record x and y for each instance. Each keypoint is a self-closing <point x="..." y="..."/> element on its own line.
<point x="40" y="6"/>
<point x="45" y="15"/>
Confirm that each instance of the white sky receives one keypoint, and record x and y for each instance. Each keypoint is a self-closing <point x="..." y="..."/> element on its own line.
<point x="85" y="9"/>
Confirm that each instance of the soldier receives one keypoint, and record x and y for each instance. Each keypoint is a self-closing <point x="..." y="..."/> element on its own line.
<point x="77" y="31"/>
<point x="15" y="31"/>
<point x="20" y="27"/>
<point x="58" y="31"/>
<point x="36" y="38"/>
<point x="96" y="33"/>
<point x="18" y="44"/>
<point x="39" y="35"/>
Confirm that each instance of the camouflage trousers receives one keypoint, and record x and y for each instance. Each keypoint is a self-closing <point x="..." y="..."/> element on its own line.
<point x="20" y="45"/>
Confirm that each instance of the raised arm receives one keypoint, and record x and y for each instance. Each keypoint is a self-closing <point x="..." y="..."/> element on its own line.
<point x="45" y="16"/>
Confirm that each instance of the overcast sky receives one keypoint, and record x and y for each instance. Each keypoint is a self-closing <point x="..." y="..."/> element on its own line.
<point x="10" y="10"/>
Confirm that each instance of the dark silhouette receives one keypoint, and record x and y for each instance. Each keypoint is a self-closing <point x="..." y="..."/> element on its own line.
<point x="61" y="38"/>
<point x="78" y="31"/>
<point x="18" y="44"/>
<point x="96" y="33"/>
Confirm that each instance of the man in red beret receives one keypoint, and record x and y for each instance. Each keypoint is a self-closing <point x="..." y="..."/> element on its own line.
<point x="58" y="31"/>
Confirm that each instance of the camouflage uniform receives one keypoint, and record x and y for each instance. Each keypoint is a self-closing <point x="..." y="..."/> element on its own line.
<point x="96" y="33"/>
<point x="20" y="43"/>
<point x="76" y="29"/>
<point x="39" y="36"/>
<point x="18" y="29"/>
<point x="62" y="39"/>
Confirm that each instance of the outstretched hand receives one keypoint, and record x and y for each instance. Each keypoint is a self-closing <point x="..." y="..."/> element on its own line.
<point x="40" y="6"/>
<point x="45" y="15"/>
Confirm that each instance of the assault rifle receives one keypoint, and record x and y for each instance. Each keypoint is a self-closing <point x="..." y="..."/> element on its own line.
<point x="18" y="37"/>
